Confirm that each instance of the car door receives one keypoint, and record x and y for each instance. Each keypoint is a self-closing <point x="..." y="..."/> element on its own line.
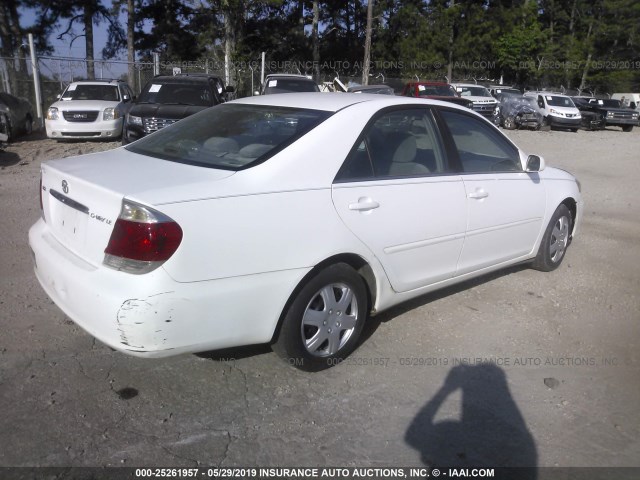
<point x="505" y="204"/>
<point x="398" y="195"/>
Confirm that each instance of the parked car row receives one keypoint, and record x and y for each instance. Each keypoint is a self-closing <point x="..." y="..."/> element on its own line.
<point x="108" y="108"/>
<point x="93" y="109"/>
<point x="554" y="110"/>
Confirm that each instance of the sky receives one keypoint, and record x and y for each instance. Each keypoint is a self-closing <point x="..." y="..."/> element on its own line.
<point x="64" y="48"/>
<point x="69" y="71"/>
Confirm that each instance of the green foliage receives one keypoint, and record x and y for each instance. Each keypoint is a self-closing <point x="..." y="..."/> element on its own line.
<point x="588" y="44"/>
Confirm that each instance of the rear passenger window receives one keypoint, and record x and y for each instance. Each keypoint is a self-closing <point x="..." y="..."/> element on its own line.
<point x="401" y="143"/>
<point x="480" y="147"/>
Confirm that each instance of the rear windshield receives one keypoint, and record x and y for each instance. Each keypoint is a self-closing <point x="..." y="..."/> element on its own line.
<point x="92" y="92"/>
<point x="290" y="85"/>
<point x="177" y="94"/>
<point x="230" y="136"/>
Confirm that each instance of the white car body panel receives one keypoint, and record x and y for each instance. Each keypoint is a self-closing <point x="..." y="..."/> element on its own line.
<point x="415" y="237"/>
<point x="499" y="228"/>
<point x="251" y="236"/>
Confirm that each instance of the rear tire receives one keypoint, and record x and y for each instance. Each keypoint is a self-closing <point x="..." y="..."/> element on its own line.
<point x="555" y="241"/>
<point x="324" y="322"/>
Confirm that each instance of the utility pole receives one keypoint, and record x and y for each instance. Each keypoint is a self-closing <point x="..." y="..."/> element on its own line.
<point x="36" y="79"/>
<point x="367" y="44"/>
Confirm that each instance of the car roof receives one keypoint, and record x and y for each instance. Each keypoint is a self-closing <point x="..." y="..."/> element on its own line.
<point x="456" y="84"/>
<point x="555" y="94"/>
<point x="368" y="87"/>
<point x="332" y="102"/>
<point x="428" y="83"/>
<point x="288" y="75"/>
<point x="99" y="81"/>
<point x="184" y="79"/>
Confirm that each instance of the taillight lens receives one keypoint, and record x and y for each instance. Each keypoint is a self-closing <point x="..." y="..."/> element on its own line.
<point x="142" y="239"/>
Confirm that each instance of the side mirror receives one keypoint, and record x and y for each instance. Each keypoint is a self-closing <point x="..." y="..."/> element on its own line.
<point x="58" y="96"/>
<point x="125" y="98"/>
<point x="535" y="163"/>
<point x="540" y="104"/>
<point x="230" y="89"/>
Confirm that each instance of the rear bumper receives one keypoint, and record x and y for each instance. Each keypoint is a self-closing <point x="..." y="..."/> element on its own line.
<point x="60" y="128"/>
<point x="152" y="315"/>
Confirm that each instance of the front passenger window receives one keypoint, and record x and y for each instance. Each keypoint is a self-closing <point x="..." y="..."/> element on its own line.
<point x="480" y="147"/>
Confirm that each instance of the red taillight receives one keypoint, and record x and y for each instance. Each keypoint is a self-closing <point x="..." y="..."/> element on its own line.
<point x="142" y="239"/>
<point x="145" y="242"/>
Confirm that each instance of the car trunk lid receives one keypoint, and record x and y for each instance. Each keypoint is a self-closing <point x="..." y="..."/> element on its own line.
<point x="82" y="196"/>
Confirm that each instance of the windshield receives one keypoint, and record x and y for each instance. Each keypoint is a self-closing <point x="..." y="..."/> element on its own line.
<point x="610" y="103"/>
<point x="474" y="92"/>
<point x="436" y="90"/>
<point x="177" y="94"/>
<point x="289" y="85"/>
<point x="508" y="90"/>
<point x="91" y="92"/>
<point x="230" y="136"/>
<point x="556" y="101"/>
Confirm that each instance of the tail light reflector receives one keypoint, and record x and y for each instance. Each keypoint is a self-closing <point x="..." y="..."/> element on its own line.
<point x="142" y="239"/>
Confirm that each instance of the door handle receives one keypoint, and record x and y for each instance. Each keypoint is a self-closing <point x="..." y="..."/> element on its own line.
<point x="479" y="194"/>
<point x="364" y="205"/>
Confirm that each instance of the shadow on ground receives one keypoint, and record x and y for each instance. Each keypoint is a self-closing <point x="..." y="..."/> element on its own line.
<point x="491" y="432"/>
<point x="8" y="159"/>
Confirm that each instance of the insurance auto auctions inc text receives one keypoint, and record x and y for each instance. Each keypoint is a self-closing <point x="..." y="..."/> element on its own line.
<point x="373" y="472"/>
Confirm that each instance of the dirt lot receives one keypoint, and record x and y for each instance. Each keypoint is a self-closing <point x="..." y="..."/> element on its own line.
<point x="562" y="388"/>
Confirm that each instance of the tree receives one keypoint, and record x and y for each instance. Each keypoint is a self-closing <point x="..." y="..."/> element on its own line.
<point x="11" y="39"/>
<point x="82" y="12"/>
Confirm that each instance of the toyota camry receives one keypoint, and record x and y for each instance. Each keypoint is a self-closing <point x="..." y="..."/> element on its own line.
<point x="289" y="220"/>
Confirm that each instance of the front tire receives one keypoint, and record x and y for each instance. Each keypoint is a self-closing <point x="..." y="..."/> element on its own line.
<point x="324" y="322"/>
<point x="509" y="123"/>
<point x="627" y="128"/>
<point x="555" y="240"/>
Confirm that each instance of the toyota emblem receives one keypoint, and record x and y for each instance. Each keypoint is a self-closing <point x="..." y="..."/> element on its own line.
<point x="65" y="186"/>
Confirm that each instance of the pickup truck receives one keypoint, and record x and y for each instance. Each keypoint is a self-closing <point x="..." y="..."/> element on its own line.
<point x="610" y="111"/>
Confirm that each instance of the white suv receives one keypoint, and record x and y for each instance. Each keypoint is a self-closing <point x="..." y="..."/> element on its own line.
<point x="483" y="102"/>
<point x="89" y="109"/>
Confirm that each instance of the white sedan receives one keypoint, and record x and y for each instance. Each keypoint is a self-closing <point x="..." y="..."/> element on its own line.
<point x="289" y="219"/>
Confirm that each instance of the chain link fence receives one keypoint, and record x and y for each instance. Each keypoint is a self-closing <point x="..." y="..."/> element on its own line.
<point x="56" y="72"/>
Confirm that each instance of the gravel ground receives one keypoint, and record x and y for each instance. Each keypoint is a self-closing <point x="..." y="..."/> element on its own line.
<point x="562" y="388"/>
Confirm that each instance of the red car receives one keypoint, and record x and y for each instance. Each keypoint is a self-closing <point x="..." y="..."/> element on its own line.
<point x="435" y="91"/>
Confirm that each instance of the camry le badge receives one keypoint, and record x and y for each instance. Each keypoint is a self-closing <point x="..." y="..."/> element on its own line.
<point x="65" y="186"/>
